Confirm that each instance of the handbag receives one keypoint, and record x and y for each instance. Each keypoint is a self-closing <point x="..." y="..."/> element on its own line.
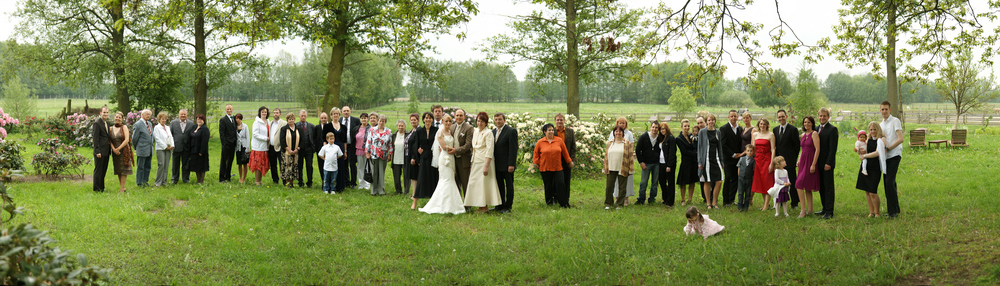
<point x="368" y="171"/>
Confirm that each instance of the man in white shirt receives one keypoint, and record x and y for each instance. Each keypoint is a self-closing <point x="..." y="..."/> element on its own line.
<point x="893" y="130"/>
<point x="438" y="111"/>
<point x="273" y="155"/>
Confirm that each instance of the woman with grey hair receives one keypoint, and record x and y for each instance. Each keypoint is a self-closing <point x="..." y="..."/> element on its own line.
<point x="378" y="149"/>
<point x="398" y="155"/>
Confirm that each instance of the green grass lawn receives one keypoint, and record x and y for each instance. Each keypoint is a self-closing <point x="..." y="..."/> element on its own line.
<point x="243" y="234"/>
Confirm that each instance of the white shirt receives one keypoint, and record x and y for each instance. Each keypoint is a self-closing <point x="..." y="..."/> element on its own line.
<point x="275" y="129"/>
<point x="889" y="127"/>
<point x="397" y="149"/>
<point x="330" y="152"/>
<point x="259" y="141"/>
<point x="163" y="137"/>
<point x="346" y="122"/>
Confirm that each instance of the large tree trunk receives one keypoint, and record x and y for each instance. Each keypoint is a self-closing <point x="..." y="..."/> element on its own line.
<point x="335" y="70"/>
<point x="200" y="61"/>
<point x="890" y="63"/>
<point x="118" y="52"/>
<point x="572" y="68"/>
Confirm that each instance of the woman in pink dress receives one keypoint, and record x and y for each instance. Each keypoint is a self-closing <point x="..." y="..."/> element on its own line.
<point x="807" y="180"/>
<point x="763" y="172"/>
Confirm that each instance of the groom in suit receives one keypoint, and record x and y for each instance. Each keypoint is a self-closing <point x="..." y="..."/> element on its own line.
<point x="732" y="150"/>
<point x="786" y="144"/>
<point x="181" y="129"/>
<point x="102" y="149"/>
<point x="505" y="160"/>
<point x="227" y="134"/>
<point x="827" y="157"/>
<point x="463" y="132"/>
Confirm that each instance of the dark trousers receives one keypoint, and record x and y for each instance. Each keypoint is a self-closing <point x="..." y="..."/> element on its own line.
<point x="891" y="197"/>
<point x="352" y="166"/>
<point x="701" y="190"/>
<point x="505" y="181"/>
<point x="143" y="166"/>
<point x="554" y="182"/>
<point x="730" y="183"/>
<point x="568" y="174"/>
<point x="180" y="164"/>
<point x="609" y="189"/>
<point x="744" y="194"/>
<point x="274" y="159"/>
<point x="667" y="184"/>
<point x="826" y="190"/>
<point x="100" y="171"/>
<point x="792" y="175"/>
<point x="226" y="165"/>
<point x="308" y="159"/>
<point x="399" y="178"/>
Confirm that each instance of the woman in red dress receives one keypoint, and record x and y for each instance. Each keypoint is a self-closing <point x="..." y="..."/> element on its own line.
<point x="763" y="172"/>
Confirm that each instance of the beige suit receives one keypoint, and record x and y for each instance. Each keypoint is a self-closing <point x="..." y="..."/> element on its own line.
<point x="463" y="153"/>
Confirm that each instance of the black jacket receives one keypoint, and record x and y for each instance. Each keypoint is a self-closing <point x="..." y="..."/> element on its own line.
<point x="732" y="143"/>
<point x="787" y="145"/>
<point x="669" y="149"/>
<point x="646" y="151"/>
<point x="307" y="144"/>
<point x="355" y="123"/>
<point x="227" y="130"/>
<point x="101" y="138"/>
<point x="505" y="150"/>
<point x="827" y="147"/>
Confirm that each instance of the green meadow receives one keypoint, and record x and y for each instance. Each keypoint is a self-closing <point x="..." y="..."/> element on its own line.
<point x="947" y="233"/>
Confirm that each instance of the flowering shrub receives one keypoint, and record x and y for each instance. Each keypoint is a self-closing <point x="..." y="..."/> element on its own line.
<point x="10" y="156"/>
<point x="74" y="129"/>
<point x="31" y="125"/>
<point x="58" y="158"/>
<point x="7" y="122"/>
<point x="591" y="138"/>
<point x="130" y="119"/>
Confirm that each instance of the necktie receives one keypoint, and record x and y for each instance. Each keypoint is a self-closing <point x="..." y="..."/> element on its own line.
<point x="821" y="128"/>
<point x="149" y="129"/>
<point x="782" y="132"/>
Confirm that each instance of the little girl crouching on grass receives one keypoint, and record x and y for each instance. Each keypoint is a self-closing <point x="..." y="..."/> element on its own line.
<point x="700" y="224"/>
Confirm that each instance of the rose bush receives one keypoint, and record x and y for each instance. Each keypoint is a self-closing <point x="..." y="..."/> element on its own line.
<point x="7" y="122"/>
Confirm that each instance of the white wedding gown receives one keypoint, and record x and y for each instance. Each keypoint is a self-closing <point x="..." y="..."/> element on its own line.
<point x="446" y="197"/>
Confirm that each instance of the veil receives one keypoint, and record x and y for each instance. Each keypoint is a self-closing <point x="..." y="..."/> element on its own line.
<point x="436" y="148"/>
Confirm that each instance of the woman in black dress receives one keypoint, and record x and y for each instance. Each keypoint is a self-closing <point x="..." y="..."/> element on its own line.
<point x="412" y="168"/>
<point x="875" y="158"/>
<point x="428" y="176"/>
<point x="687" y="174"/>
<point x="198" y="146"/>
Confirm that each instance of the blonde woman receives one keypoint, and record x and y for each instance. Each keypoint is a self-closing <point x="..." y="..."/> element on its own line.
<point x="164" y="146"/>
<point x="876" y="161"/>
<point x="710" y="161"/>
<point x="763" y="177"/>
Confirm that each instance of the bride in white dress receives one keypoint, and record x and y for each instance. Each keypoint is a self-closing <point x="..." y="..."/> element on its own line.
<point x="446" y="197"/>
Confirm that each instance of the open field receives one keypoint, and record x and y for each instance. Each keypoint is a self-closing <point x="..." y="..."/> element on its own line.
<point x="242" y="234"/>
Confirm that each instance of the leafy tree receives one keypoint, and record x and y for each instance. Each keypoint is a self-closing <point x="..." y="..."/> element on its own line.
<point x="681" y="100"/>
<point x="218" y="33"/>
<point x="735" y="98"/>
<point x="772" y="90"/>
<point x="154" y="82"/>
<point x="18" y="100"/>
<point x="574" y="41"/>
<point x="356" y="26"/>
<point x="869" y="32"/>
<point x="85" y="40"/>
<point x="661" y="78"/>
<point x="807" y="96"/>
<point x="961" y="84"/>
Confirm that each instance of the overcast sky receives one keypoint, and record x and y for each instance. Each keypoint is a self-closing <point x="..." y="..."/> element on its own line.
<point x="812" y="20"/>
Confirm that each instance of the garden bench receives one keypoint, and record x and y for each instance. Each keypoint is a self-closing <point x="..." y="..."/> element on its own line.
<point x="918" y="137"/>
<point x="958" y="138"/>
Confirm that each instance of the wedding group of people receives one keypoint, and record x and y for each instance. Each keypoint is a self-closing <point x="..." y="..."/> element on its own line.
<point x="739" y="161"/>
<point x="459" y="165"/>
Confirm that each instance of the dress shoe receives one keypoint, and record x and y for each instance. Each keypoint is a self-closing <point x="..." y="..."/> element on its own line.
<point x="819" y="213"/>
<point x="892" y="216"/>
<point x="827" y="216"/>
<point x="504" y="211"/>
<point x="640" y="202"/>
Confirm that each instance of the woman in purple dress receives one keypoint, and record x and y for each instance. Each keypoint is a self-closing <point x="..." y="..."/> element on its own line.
<point x="807" y="180"/>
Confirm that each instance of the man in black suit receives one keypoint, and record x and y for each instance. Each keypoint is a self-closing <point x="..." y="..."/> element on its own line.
<point x="306" y="147"/>
<point x="569" y="137"/>
<point x="352" y="124"/>
<point x="181" y="129"/>
<point x="732" y="150"/>
<point x="505" y="158"/>
<point x="786" y="144"/>
<point x="102" y="149"/>
<point x="827" y="157"/>
<point x="227" y="134"/>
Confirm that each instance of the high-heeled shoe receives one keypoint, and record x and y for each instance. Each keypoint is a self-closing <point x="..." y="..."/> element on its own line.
<point x="871" y="215"/>
<point x="802" y="214"/>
